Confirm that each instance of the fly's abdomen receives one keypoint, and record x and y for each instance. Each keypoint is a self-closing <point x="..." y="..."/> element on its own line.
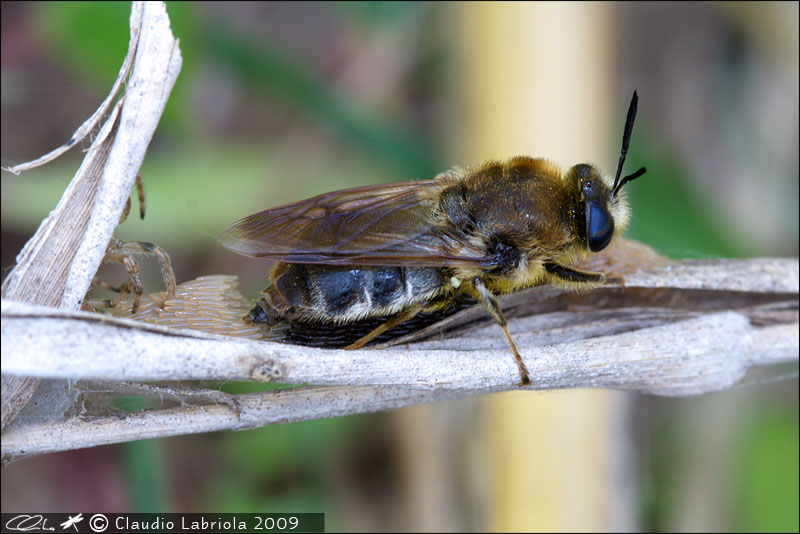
<point x="346" y="294"/>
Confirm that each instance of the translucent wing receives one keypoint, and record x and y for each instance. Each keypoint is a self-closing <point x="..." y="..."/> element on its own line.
<point x="387" y="225"/>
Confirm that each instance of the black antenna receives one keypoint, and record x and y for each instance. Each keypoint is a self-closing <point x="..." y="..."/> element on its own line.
<point x="626" y="141"/>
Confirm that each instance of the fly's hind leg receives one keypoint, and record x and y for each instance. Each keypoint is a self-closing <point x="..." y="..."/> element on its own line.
<point x="490" y="302"/>
<point x="398" y="319"/>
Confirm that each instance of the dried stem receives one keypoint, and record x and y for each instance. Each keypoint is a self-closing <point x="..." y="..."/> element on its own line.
<point x="654" y="336"/>
<point x="56" y="267"/>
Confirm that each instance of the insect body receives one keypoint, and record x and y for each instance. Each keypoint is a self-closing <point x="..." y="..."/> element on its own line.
<point x="394" y="251"/>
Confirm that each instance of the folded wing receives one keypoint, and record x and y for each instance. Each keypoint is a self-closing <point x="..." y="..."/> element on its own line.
<point x="383" y="225"/>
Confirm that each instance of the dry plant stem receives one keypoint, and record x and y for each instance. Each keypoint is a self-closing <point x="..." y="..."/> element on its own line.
<point x="619" y="345"/>
<point x="56" y="267"/>
<point x="750" y="320"/>
<point x="689" y="374"/>
<point x="256" y="410"/>
<point x="92" y="122"/>
<point x="693" y="356"/>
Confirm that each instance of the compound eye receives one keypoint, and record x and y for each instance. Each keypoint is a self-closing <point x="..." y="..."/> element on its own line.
<point x="599" y="226"/>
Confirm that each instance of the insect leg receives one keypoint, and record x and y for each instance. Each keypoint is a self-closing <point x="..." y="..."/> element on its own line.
<point x="490" y="302"/>
<point x="400" y="318"/>
<point x="148" y="249"/>
<point x="122" y="252"/>
<point x="127" y="210"/>
<point x="133" y="283"/>
<point x="568" y="276"/>
<point x="140" y="191"/>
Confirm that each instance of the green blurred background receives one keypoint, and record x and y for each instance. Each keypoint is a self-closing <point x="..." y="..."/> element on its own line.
<point x="280" y="101"/>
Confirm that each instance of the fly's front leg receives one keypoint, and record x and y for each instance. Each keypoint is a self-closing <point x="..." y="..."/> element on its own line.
<point x="490" y="302"/>
<point x="564" y="276"/>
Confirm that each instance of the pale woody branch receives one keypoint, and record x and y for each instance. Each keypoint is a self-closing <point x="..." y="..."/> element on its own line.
<point x="52" y="343"/>
<point x="688" y="357"/>
<point x="679" y="349"/>
<point x="56" y="266"/>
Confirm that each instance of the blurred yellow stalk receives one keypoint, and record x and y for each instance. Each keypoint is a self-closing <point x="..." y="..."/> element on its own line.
<point x="538" y="79"/>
